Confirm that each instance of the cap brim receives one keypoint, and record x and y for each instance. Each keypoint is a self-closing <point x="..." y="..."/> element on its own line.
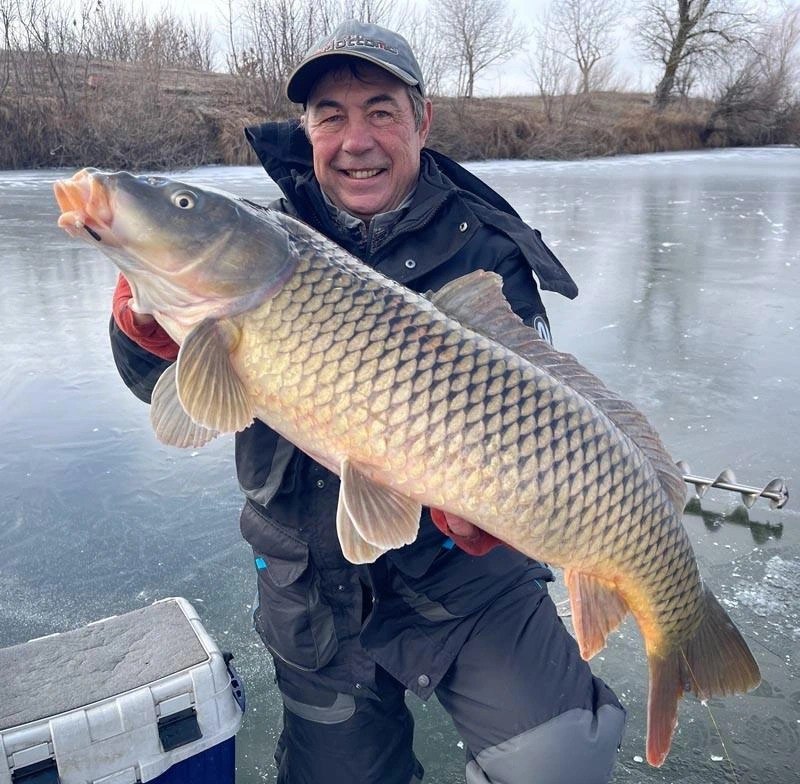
<point x="305" y="75"/>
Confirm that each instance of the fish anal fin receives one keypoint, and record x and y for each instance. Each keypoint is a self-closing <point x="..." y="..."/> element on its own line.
<point x="171" y="423"/>
<point x="714" y="662"/>
<point x="597" y="609"/>
<point x="381" y="516"/>
<point x="209" y="389"/>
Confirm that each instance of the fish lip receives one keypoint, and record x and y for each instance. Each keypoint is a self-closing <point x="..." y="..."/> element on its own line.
<point x="85" y="205"/>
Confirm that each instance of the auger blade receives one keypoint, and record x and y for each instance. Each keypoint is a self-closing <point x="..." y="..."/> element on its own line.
<point x="775" y="491"/>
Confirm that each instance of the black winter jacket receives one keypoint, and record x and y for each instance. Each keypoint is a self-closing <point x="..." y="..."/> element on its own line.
<point x="327" y="622"/>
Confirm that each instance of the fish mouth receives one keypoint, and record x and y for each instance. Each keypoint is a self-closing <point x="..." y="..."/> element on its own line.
<point x="85" y="205"/>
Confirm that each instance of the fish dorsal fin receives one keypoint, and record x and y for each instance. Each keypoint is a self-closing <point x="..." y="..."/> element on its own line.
<point x="209" y="389"/>
<point x="171" y="423"/>
<point x="477" y="301"/>
<point x="379" y="516"/>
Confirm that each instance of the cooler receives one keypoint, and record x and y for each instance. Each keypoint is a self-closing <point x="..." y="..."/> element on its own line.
<point x="142" y="697"/>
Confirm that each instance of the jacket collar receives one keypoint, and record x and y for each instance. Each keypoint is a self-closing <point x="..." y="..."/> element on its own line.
<point x="282" y="148"/>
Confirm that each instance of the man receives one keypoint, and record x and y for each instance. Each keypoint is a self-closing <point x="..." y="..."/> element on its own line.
<point x="472" y="623"/>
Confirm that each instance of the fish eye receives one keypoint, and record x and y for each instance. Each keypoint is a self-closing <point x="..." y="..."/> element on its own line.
<point x="184" y="200"/>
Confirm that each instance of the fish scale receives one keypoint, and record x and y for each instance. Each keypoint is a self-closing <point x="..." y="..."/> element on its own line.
<point x="447" y="401"/>
<point x="530" y="492"/>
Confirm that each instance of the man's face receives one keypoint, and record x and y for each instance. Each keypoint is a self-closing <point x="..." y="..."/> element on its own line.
<point x="366" y="148"/>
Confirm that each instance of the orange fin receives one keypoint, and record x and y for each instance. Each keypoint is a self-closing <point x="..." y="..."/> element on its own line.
<point x="719" y="661"/>
<point x="597" y="609"/>
<point x="715" y="661"/>
<point x="667" y="679"/>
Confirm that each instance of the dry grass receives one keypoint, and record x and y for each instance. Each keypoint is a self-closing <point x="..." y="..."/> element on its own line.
<point x="135" y="117"/>
<point x="579" y="126"/>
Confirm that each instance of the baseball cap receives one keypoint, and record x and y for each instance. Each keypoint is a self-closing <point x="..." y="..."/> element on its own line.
<point x="369" y="42"/>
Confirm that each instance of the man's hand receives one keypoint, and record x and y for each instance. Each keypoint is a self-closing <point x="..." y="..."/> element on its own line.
<point x="141" y="319"/>
<point x="141" y="328"/>
<point x="465" y="534"/>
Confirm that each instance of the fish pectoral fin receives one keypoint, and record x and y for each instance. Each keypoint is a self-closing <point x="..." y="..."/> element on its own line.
<point x="209" y="389"/>
<point x="597" y="609"/>
<point x="171" y="423"/>
<point x="380" y="515"/>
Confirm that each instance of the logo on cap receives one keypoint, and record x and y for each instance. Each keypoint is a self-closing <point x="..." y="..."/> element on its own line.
<point x="353" y="41"/>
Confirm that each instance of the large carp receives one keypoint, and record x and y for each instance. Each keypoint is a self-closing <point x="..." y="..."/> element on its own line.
<point x="448" y="401"/>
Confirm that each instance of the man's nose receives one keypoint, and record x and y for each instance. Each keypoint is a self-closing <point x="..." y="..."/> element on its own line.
<point x="358" y="136"/>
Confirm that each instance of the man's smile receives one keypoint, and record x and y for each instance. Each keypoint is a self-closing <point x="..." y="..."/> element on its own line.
<point x="362" y="174"/>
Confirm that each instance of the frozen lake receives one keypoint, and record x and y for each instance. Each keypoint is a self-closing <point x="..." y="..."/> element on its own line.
<point x="689" y="270"/>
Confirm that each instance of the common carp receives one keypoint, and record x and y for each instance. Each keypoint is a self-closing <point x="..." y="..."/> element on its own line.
<point x="447" y="400"/>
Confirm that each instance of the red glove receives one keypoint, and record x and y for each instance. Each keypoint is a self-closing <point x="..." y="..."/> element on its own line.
<point x="467" y="536"/>
<point x="150" y="335"/>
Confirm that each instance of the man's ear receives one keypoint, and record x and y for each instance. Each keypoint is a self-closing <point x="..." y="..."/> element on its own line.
<point x="425" y="125"/>
<point x="304" y="126"/>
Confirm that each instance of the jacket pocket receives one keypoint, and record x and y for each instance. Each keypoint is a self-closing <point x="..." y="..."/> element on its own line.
<point x="292" y="618"/>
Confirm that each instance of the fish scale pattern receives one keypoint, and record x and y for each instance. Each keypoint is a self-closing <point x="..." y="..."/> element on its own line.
<point x="358" y="367"/>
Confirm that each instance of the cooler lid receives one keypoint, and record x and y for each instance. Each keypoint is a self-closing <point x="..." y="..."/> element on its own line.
<point x="63" y="672"/>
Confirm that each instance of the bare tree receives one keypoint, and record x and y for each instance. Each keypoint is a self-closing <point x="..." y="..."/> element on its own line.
<point x="268" y="38"/>
<point x="276" y="34"/>
<point x="478" y="33"/>
<point x="7" y="17"/>
<point x="232" y="30"/>
<point x="585" y="35"/>
<point x="685" y="34"/>
<point x="548" y="67"/>
<point x="119" y="33"/>
<point x="759" y="88"/>
<point x="200" y="52"/>
<point x="431" y="52"/>
<point x="45" y="33"/>
<point x="380" y="12"/>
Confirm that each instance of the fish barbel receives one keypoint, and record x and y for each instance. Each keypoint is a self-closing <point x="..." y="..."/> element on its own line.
<point x="447" y="401"/>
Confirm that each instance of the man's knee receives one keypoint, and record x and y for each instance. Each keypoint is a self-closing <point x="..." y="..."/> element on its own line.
<point x="576" y="746"/>
<point x="336" y="738"/>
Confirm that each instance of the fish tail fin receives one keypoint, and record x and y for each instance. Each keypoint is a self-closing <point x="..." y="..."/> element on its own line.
<point x="715" y="661"/>
<point x="597" y="609"/>
<point x="718" y="659"/>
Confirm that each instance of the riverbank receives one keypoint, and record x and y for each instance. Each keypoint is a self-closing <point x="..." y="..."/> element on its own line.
<point x="122" y="116"/>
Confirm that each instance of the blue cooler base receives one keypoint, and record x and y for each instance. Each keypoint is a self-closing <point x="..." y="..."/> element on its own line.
<point x="216" y="765"/>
